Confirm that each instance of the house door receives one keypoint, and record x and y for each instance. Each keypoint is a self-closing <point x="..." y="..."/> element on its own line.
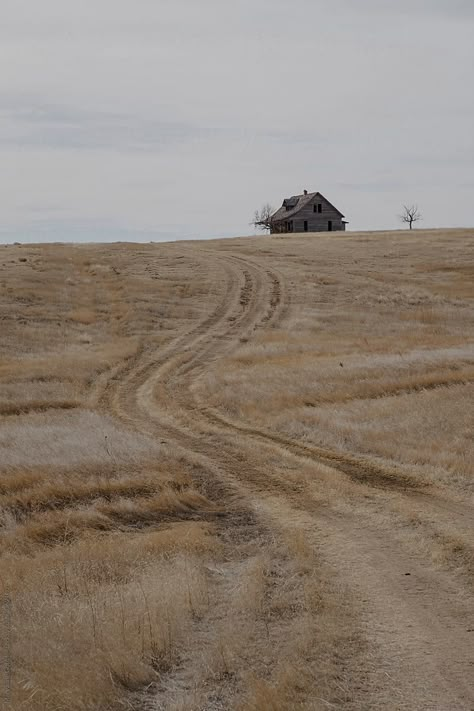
<point x="330" y="226"/>
<point x="305" y="225"/>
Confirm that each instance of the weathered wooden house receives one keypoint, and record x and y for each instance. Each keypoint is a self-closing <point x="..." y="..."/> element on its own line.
<point x="310" y="212"/>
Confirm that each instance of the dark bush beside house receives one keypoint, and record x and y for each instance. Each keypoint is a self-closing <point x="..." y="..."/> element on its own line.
<point x="309" y="212"/>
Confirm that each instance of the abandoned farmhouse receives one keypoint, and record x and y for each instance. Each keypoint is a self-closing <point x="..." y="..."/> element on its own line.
<point x="310" y="212"/>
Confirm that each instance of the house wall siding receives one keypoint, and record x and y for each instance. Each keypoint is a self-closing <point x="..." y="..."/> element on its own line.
<point x="317" y="221"/>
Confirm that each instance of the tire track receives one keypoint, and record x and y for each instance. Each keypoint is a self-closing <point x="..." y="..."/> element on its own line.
<point x="403" y="624"/>
<point x="136" y="369"/>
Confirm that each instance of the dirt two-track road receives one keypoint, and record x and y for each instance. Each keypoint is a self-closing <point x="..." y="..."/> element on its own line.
<point x="244" y="468"/>
<point x="373" y="529"/>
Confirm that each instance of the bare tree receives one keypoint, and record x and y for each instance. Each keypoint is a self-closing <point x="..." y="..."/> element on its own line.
<point x="262" y="218"/>
<point x="410" y="215"/>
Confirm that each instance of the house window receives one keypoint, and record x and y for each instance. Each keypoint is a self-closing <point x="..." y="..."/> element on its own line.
<point x="320" y="207"/>
<point x="305" y="225"/>
<point x="290" y="226"/>
<point x="315" y="208"/>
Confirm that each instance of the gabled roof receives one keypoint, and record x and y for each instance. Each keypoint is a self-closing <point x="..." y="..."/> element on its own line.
<point x="296" y="203"/>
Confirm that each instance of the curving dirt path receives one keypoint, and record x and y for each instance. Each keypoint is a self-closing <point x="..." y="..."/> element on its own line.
<point x="417" y="616"/>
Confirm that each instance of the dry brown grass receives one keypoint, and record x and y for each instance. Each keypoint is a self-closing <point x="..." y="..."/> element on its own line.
<point x="141" y="579"/>
<point x="376" y="355"/>
<point x="103" y="538"/>
<point x="117" y="608"/>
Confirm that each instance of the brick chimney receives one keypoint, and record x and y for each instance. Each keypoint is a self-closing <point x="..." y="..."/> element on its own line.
<point x="305" y="192"/>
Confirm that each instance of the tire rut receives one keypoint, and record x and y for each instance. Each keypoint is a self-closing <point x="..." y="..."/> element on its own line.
<point x="154" y="396"/>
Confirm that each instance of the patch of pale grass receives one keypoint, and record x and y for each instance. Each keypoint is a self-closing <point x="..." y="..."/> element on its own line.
<point x="245" y="384"/>
<point x="70" y="439"/>
<point x="431" y="430"/>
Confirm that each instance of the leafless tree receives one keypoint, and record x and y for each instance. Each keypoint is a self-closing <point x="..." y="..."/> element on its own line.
<point x="262" y="218"/>
<point x="410" y="215"/>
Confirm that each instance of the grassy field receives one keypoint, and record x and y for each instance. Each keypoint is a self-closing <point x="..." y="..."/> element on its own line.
<point x="238" y="474"/>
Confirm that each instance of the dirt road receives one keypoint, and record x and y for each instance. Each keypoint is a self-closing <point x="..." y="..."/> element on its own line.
<point x="414" y="613"/>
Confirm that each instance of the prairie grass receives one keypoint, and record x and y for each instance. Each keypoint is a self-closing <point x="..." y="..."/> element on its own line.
<point x="83" y="315"/>
<point x="40" y="439"/>
<point x="127" y="583"/>
<point x="429" y="432"/>
<point x="102" y="621"/>
<point x="136" y="580"/>
<point x="375" y="355"/>
<point x="104" y="538"/>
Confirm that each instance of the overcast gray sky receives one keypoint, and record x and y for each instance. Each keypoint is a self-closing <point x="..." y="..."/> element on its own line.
<point x="164" y="119"/>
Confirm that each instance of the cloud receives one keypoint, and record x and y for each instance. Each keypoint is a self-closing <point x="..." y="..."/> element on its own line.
<point x="183" y="117"/>
<point x="29" y="121"/>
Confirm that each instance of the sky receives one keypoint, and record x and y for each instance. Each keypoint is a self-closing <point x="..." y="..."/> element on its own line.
<point x="176" y="119"/>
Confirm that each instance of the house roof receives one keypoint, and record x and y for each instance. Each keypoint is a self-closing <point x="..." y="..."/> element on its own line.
<point x="296" y="203"/>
